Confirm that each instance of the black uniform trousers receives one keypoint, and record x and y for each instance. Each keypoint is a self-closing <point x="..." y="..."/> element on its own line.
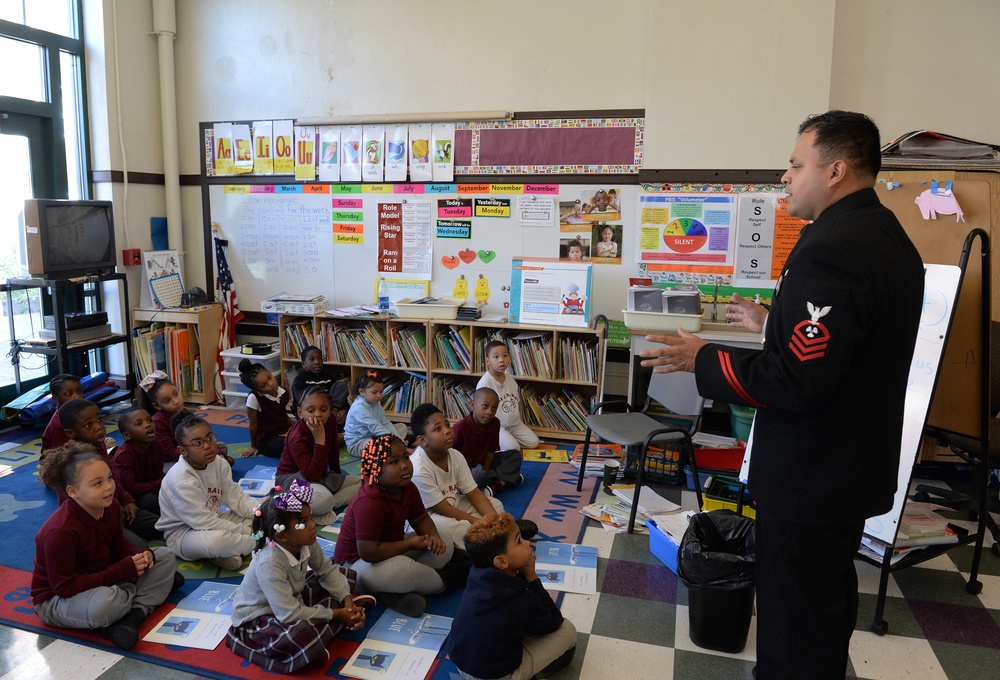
<point x="806" y="607"/>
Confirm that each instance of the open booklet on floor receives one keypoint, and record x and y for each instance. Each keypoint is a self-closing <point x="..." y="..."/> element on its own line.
<point x="398" y="646"/>
<point x="567" y="567"/>
<point x="201" y="620"/>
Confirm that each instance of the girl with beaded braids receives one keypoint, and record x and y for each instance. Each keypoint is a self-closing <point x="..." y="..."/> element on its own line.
<point x="293" y="599"/>
<point x="400" y="567"/>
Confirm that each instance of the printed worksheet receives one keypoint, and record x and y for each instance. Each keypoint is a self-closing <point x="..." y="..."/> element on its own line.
<point x="567" y="567"/>
<point x="402" y="647"/>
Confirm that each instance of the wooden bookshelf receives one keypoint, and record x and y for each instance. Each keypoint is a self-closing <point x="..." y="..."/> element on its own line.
<point x="558" y="369"/>
<point x="202" y="326"/>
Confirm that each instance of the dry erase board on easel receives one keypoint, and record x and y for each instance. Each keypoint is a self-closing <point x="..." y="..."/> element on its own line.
<point x="941" y="283"/>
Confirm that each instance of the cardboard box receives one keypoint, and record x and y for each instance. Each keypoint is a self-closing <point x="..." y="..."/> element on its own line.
<point x="277" y="306"/>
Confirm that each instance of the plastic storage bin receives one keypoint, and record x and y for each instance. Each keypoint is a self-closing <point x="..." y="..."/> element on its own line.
<point x="722" y="494"/>
<point x="235" y="400"/>
<point x="231" y="382"/>
<point x="740" y="420"/>
<point x="662" y="547"/>
<point x="231" y="359"/>
<point x="654" y="321"/>
<point x="445" y="308"/>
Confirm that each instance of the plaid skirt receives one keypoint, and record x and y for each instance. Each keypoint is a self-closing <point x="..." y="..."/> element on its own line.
<point x="287" y="647"/>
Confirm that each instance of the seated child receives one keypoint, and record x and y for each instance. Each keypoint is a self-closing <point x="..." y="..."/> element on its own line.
<point x="267" y="412"/>
<point x="82" y="422"/>
<point x="63" y="388"/>
<point x="477" y="436"/>
<point x="528" y="636"/>
<point x="191" y="497"/>
<point x="446" y="486"/>
<point x="311" y="454"/>
<point x="366" y="418"/>
<point x="314" y="372"/>
<point x="398" y="567"/>
<point x="86" y="574"/>
<point x="160" y="397"/>
<point x="293" y="600"/>
<point x="138" y="464"/>
<point x="514" y="434"/>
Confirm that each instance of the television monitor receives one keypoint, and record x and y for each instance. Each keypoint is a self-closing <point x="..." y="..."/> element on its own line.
<point x="68" y="238"/>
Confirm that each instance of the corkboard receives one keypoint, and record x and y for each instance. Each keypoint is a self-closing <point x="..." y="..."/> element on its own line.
<point x="956" y="402"/>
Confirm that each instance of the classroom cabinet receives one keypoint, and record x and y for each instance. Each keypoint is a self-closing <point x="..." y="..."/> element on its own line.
<point x="558" y="370"/>
<point x="185" y="343"/>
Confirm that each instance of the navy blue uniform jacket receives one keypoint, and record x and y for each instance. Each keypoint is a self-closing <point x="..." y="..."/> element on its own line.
<point x="496" y="611"/>
<point x="830" y="380"/>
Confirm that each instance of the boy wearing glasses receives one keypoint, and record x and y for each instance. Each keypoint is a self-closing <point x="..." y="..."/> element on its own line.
<point x="191" y="497"/>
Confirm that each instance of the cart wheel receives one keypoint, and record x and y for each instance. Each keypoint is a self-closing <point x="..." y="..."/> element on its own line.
<point x="920" y="497"/>
<point x="996" y="549"/>
<point x="974" y="587"/>
<point x="880" y="627"/>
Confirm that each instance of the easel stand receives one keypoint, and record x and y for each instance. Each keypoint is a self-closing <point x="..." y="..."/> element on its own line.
<point x="974" y="586"/>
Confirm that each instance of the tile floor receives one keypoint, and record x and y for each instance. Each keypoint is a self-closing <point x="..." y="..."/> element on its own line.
<point x="637" y="626"/>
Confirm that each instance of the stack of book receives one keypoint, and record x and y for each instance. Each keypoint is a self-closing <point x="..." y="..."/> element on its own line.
<point x="455" y="394"/>
<point x="577" y="359"/>
<point x="403" y="394"/>
<point x="351" y="344"/>
<point x="469" y="312"/>
<point x="564" y="409"/>
<point x="171" y="350"/>
<point x="452" y="347"/>
<point x="298" y="336"/>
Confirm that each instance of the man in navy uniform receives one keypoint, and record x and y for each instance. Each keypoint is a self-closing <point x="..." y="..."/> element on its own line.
<point x="828" y="383"/>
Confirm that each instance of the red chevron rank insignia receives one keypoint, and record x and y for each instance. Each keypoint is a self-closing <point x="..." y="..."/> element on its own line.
<point x="810" y="338"/>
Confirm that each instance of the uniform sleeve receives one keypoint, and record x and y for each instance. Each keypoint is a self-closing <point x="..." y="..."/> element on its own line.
<point x="310" y="458"/>
<point x="423" y="479"/>
<point x="253" y="402"/>
<point x="330" y="577"/>
<point x="459" y="432"/>
<point x="165" y="439"/>
<point x="123" y="466"/>
<point x="60" y="548"/>
<point x="811" y="335"/>
<point x="186" y="502"/>
<point x="542" y="616"/>
<point x="274" y="580"/>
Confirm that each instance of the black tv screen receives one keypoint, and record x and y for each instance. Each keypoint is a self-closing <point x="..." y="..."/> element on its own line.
<point x="69" y="238"/>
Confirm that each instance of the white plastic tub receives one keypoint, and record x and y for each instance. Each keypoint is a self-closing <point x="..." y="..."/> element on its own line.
<point x="662" y="321"/>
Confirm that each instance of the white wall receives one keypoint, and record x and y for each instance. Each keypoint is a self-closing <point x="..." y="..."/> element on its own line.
<point x="724" y="83"/>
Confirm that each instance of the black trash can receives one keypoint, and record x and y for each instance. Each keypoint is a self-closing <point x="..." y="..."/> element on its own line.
<point x="716" y="562"/>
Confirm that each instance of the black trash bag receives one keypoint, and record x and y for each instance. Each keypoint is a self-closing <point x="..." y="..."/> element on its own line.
<point x="717" y="552"/>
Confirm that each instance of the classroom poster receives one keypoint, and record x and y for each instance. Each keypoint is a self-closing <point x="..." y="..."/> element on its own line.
<point x="223" y="149"/>
<point x="348" y="220"/>
<point x="420" y="152"/>
<point x="765" y="237"/>
<point x="601" y="205"/>
<point x="161" y="274"/>
<point x="242" y="150"/>
<point x="550" y="292"/>
<point x="443" y="152"/>
<point x="329" y="153"/>
<point x="606" y="240"/>
<point x="350" y="153"/>
<point x="395" y="153"/>
<point x="263" y="163"/>
<point x="305" y="153"/>
<point x="688" y="230"/>
<point x="284" y="145"/>
<point x="536" y="211"/>
<point x="399" y="646"/>
<point x="373" y="140"/>
<point x="405" y="238"/>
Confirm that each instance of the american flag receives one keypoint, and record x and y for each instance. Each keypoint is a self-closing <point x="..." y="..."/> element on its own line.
<point x="226" y="294"/>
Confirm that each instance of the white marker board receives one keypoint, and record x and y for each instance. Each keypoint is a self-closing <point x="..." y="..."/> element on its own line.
<point x="941" y="283"/>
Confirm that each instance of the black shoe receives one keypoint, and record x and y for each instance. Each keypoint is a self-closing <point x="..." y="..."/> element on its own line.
<point x="407" y="604"/>
<point x="557" y="665"/>
<point x="178" y="580"/>
<point x="124" y="632"/>
<point x="528" y="528"/>
<point x="455" y="574"/>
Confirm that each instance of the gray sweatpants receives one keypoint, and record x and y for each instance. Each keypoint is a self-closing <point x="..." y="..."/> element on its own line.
<point x="411" y="572"/>
<point x="101" y="606"/>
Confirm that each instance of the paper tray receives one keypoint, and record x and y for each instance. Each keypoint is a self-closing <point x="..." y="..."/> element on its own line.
<point x="445" y="308"/>
<point x="662" y="321"/>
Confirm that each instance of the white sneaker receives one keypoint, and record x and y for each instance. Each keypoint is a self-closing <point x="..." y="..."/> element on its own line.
<point x="227" y="563"/>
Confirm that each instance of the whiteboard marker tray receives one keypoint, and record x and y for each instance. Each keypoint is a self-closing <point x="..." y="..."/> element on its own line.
<point x="442" y="308"/>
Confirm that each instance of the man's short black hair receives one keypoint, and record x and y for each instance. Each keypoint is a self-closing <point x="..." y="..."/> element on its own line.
<point x="847" y="136"/>
<point x="420" y="416"/>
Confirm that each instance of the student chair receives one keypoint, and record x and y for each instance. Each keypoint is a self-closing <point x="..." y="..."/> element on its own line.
<point x="678" y="392"/>
<point x="969" y="449"/>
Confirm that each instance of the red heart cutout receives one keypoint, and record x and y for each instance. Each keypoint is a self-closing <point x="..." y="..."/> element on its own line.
<point x="449" y="261"/>
<point x="506" y="305"/>
<point x="467" y="256"/>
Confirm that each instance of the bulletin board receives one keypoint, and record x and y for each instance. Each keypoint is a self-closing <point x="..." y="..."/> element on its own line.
<point x="957" y="398"/>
